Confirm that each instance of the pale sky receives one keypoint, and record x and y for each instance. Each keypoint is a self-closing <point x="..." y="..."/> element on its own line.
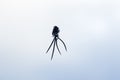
<point x="90" y="29"/>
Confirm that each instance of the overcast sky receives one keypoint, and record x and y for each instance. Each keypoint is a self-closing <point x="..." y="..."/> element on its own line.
<point x="90" y="29"/>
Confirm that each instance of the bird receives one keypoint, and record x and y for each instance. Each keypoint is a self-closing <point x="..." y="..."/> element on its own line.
<point x="54" y="42"/>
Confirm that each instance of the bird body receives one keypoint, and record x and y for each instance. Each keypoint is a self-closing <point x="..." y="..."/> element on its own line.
<point x="55" y="31"/>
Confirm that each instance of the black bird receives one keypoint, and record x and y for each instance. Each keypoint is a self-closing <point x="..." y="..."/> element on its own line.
<point x="54" y="42"/>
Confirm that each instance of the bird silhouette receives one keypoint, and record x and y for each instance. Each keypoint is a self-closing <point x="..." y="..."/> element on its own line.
<point x="54" y="41"/>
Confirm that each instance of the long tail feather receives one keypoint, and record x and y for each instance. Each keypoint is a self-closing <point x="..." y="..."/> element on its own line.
<point x="50" y="45"/>
<point x="57" y="46"/>
<point x="63" y="43"/>
<point x="53" y="51"/>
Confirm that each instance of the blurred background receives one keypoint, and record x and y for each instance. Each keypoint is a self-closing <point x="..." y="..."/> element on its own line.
<point x="90" y="29"/>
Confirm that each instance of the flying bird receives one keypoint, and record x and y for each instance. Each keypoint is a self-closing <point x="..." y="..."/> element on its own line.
<point x="54" y="41"/>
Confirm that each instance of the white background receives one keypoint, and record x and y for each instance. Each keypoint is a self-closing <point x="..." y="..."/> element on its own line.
<point x="90" y="29"/>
